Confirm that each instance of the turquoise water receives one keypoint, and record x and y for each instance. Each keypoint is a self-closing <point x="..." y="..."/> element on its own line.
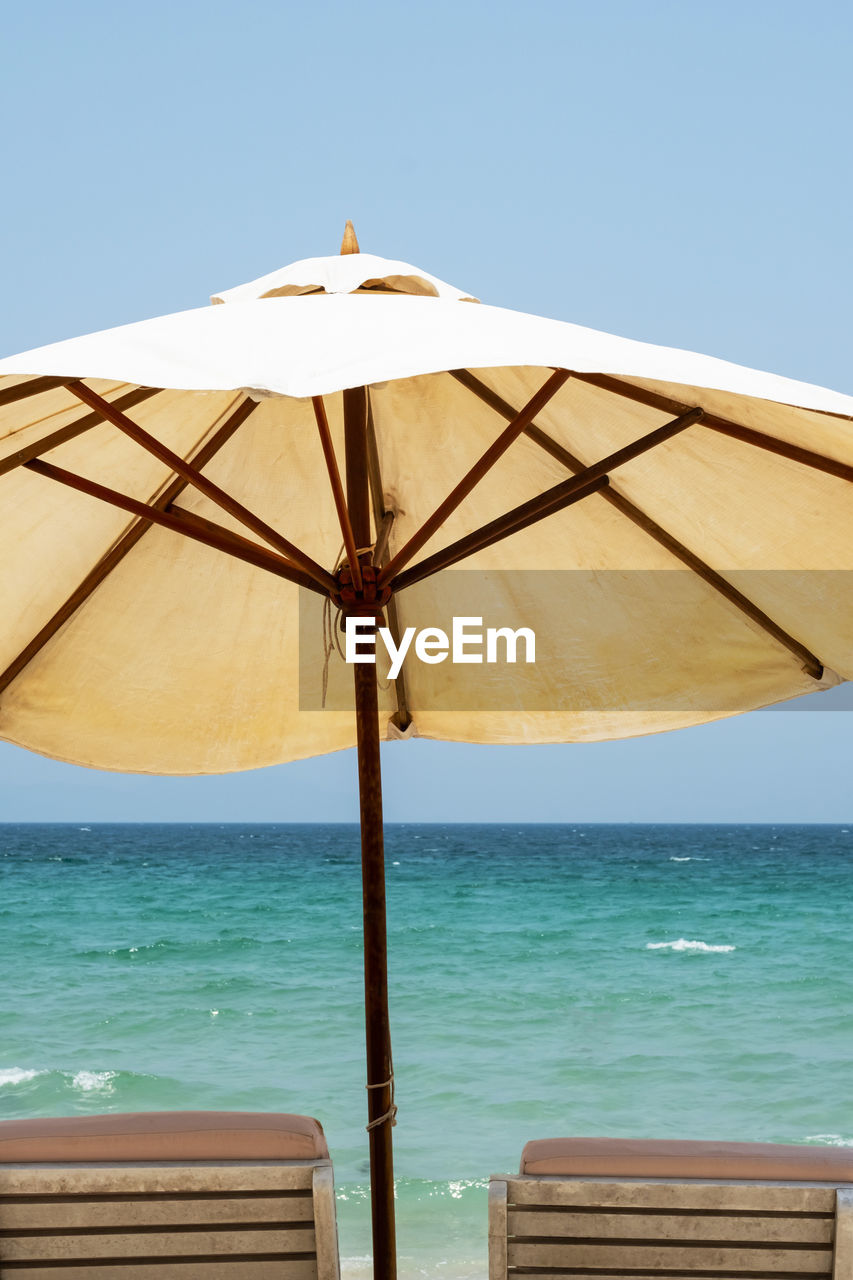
<point x="636" y="980"/>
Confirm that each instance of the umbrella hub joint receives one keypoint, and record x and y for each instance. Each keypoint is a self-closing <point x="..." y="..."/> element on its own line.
<point x="365" y="603"/>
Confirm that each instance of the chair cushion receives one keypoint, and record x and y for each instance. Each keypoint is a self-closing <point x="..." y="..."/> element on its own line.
<point x="163" y="1135"/>
<point x="650" y="1158"/>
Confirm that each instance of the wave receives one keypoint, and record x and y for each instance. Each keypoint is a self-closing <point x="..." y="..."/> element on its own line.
<point x="18" y="1075"/>
<point x="166" y="949"/>
<point x="83" y="1081"/>
<point x="443" y="1239"/>
<point x="93" y="1081"/>
<point x="440" y="1267"/>
<point x="465" y="1184"/>
<point x="418" y="1189"/>
<point x="830" y="1139"/>
<point x="682" y="944"/>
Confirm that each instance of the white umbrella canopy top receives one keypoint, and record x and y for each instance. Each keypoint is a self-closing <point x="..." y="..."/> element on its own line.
<point x="686" y="561"/>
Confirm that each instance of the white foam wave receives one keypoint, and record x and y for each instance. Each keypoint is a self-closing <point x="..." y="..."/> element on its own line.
<point x="357" y="1266"/>
<point x="830" y="1139"/>
<point x="681" y="859"/>
<point x="356" y="1192"/>
<point x="422" y="1189"/>
<point x="84" y="1081"/>
<point x="94" y="1081"/>
<point x="438" y="1267"/>
<point x="17" y="1075"/>
<point x="465" y="1184"/>
<point x="684" y="944"/>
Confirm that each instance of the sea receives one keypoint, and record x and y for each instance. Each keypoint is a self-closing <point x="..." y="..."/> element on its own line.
<point x="644" y="981"/>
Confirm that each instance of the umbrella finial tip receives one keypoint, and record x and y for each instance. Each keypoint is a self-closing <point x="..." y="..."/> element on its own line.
<point x="349" y="244"/>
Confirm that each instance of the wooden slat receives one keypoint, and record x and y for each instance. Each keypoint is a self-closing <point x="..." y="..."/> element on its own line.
<point x="208" y="1269"/>
<point x="154" y="1244"/>
<point x="843" y="1261"/>
<point x="151" y="1178"/>
<point x="673" y="1258"/>
<point x="637" y="1273"/>
<point x="326" y="1225"/>
<point x="788" y="1197"/>
<point x="662" y="1226"/>
<point x="54" y="1215"/>
<point x="497" y="1230"/>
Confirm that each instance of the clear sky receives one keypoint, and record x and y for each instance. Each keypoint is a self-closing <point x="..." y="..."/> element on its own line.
<point x="675" y="172"/>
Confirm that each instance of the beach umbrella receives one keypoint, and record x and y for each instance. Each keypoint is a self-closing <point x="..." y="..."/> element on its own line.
<point x="195" y="505"/>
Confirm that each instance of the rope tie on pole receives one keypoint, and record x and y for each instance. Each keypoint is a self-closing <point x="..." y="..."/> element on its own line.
<point x="333" y="628"/>
<point x="391" y="1113"/>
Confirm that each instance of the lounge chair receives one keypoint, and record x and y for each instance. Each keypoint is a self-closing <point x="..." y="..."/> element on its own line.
<point x="189" y="1195"/>
<point x="612" y="1208"/>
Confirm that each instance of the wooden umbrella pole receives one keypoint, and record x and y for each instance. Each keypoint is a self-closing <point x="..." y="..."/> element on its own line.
<point x="380" y="1103"/>
<point x="379" y="1072"/>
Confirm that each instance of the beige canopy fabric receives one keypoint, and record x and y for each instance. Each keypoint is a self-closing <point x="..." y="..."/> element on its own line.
<point x="709" y="577"/>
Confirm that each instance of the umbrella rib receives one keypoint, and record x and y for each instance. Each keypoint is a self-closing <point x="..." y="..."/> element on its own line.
<point x="185" y="522"/>
<point x="73" y="429"/>
<point x="200" y="482"/>
<point x="383" y="519"/>
<point x="809" y="662"/>
<point x="212" y="535"/>
<point x="337" y="490"/>
<point x="122" y="547"/>
<point x="588" y="480"/>
<point x="383" y="533"/>
<point x="748" y="435"/>
<point x="23" y="390"/>
<point x="521" y="517"/>
<point x="234" y="544"/>
<point x="356" y="466"/>
<point x="519" y="423"/>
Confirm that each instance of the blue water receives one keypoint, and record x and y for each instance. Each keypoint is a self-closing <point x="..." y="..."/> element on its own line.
<point x="681" y="981"/>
